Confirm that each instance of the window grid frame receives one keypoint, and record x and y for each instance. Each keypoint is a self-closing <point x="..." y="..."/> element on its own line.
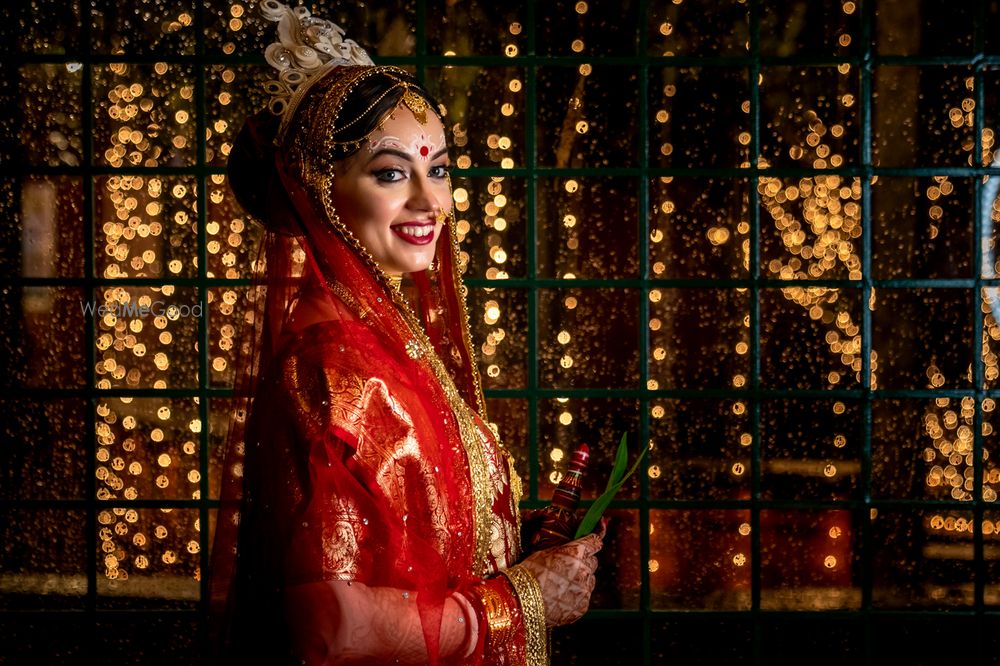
<point x="866" y="62"/>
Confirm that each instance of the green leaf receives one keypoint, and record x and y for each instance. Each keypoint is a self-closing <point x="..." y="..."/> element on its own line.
<point x="615" y="482"/>
<point x="621" y="463"/>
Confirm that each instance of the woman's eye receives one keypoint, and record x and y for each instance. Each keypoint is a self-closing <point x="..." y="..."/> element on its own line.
<point x="440" y="171"/>
<point x="389" y="175"/>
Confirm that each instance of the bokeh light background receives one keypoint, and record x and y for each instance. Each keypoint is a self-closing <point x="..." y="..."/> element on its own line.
<point x="757" y="237"/>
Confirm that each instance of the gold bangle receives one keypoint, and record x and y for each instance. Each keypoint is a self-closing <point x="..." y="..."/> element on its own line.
<point x="499" y="616"/>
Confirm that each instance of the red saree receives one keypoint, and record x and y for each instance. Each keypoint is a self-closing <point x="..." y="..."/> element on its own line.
<point x="365" y="460"/>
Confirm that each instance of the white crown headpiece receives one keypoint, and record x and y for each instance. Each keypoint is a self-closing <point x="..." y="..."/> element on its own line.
<point x="307" y="48"/>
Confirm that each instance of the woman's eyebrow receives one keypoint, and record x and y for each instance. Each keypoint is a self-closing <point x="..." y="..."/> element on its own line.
<point x="405" y="156"/>
<point x="390" y="151"/>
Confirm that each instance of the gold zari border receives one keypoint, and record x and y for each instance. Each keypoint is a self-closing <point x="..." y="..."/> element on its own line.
<point x="529" y="593"/>
<point x="468" y="431"/>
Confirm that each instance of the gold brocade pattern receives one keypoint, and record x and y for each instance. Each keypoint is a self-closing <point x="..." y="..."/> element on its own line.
<point x="363" y="410"/>
<point x="479" y="474"/>
<point x="340" y="541"/>
<point x="341" y="403"/>
<point x="529" y="593"/>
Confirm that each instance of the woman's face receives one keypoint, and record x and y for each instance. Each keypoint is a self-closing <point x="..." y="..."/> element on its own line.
<point x="390" y="192"/>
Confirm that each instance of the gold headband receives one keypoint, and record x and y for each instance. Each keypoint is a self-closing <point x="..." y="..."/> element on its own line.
<point x="308" y="50"/>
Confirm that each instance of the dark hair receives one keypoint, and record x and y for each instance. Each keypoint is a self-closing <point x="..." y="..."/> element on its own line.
<point x="253" y="177"/>
<point x="361" y="97"/>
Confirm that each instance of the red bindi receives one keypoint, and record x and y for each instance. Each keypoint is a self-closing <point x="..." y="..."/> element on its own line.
<point x="424" y="150"/>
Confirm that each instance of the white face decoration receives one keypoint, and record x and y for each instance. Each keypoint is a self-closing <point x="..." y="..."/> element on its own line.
<point x="420" y="146"/>
<point x="392" y="196"/>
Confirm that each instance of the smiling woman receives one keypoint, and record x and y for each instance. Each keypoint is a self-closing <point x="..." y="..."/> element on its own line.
<point x="393" y="195"/>
<point x="369" y="510"/>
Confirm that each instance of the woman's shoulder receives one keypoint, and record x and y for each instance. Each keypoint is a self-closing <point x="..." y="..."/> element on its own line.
<point x="336" y="341"/>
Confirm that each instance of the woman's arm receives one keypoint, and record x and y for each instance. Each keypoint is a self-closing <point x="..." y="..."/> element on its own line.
<point x="343" y="622"/>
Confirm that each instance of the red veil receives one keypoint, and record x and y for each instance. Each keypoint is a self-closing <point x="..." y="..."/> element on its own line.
<point x="359" y="450"/>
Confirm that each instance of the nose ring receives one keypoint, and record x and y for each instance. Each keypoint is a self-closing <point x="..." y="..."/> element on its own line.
<point x="440" y="215"/>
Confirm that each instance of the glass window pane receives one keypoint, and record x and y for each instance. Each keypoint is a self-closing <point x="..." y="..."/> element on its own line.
<point x="699" y="559"/>
<point x="694" y="640"/>
<point x="145" y="336"/>
<point x="385" y="28"/>
<point x="699" y="117"/>
<point x="43" y="112"/>
<point x="909" y="639"/>
<point x="992" y="28"/>
<point x="801" y="28"/>
<point x="45" y="447"/>
<point x="700" y="449"/>
<point x="148" y="448"/>
<point x="599" y="327"/>
<point x="233" y="93"/>
<point x="925" y="27"/>
<point x="43" y="27"/>
<point x="228" y="331"/>
<point x="147" y="558"/>
<point x="43" y="236"/>
<point x="811" y="449"/>
<point x="161" y="27"/>
<point x="569" y="27"/>
<point x="233" y="237"/>
<point x="145" y="227"/>
<point x="176" y="638"/>
<point x="587" y="228"/>
<point x="485" y="114"/>
<point x="810" y="338"/>
<point x="698" y="227"/>
<point x="43" y="344"/>
<point x="812" y="227"/>
<point x="499" y="322"/>
<point x="810" y="116"/>
<point x="510" y="415"/>
<point x="476" y="28"/>
<point x="618" y="563"/>
<point x="685" y="29"/>
<point x="922" y="228"/>
<point x="808" y="560"/>
<point x="47" y="638"/>
<point x="990" y="304"/>
<point x="922" y="338"/>
<point x="144" y="115"/>
<point x="923" y="449"/>
<point x="491" y="220"/>
<point x="606" y="641"/>
<point x="43" y="559"/>
<point x="587" y="116"/>
<point x="221" y="418"/>
<point x="913" y="568"/>
<point x="922" y="116"/>
<point x="698" y="338"/>
<point x="991" y="551"/>
<point x="826" y="640"/>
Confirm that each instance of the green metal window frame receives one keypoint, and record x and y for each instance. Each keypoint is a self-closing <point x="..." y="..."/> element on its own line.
<point x="533" y="393"/>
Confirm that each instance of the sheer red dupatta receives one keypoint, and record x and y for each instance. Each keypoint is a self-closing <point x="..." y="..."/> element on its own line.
<point x="285" y="471"/>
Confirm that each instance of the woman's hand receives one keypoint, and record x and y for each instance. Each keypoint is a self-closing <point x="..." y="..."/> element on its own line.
<point x="566" y="576"/>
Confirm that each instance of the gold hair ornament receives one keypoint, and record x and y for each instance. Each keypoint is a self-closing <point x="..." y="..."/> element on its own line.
<point x="307" y="49"/>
